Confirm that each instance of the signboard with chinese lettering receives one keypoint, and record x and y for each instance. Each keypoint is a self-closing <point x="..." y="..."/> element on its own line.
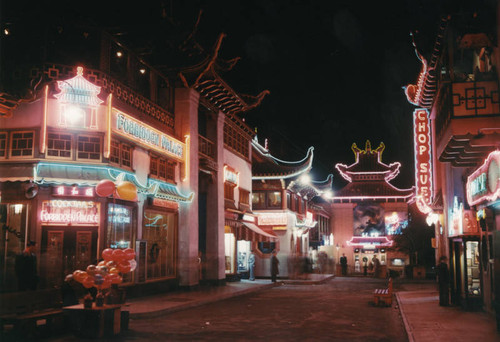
<point x="230" y="175"/>
<point x="272" y="219"/>
<point x="73" y="191"/>
<point x="483" y="185"/>
<point x="146" y="135"/>
<point x="165" y="203"/>
<point x="62" y="212"/>
<point x="423" y="159"/>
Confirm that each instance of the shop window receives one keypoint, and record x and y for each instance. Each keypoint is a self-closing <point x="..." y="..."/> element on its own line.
<point x="121" y="154"/>
<point x="162" y="168"/>
<point x="259" y="199"/>
<point x="288" y="201"/>
<point x="473" y="273"/>
<point x="274" y="199"/>
<point x="22" y="144"/>
<point x="229" y="250"/>
<point x="160" y="233"/>
<point x="120" y="230"/>
<point x="89" y="147"/>
<point x="3" y="144"/>
<point x="59" y="145"/>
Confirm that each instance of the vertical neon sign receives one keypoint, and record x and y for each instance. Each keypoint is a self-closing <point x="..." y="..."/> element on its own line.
<point x="423" y="159"/>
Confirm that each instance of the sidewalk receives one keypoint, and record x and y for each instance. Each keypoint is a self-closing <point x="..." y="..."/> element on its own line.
<point x="426" y="321"/>
<point x="154" y="306"/>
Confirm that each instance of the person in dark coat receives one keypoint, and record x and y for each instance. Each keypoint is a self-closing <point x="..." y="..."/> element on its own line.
<point x="274" y="267"/>
<point x="27" y="278"/>
<point x="343" y="264"/>
<point x="444" y="281"/>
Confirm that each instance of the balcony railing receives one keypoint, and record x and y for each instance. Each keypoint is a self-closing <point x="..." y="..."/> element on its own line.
<point x="206" y="148"/>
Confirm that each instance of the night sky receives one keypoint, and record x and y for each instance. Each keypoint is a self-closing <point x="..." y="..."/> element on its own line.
<point x="335" y="69"/>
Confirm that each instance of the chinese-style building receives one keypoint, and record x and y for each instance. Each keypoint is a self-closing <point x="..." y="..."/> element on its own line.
<point x="369" y="210"/>
<point x="457" y="138"/>
<point x="281" y="193"/>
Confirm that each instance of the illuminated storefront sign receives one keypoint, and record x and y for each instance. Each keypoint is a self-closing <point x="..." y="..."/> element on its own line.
<point x="73" y="191"/>
<point x="483" y="185"/>
<point x="165" y="203"/>
<point x="119" y="214"/>
<point x="423" y="158"/>
<point x="129" y="127"/>
<point x="61" y="212"/>
<point x="272" y="219"/>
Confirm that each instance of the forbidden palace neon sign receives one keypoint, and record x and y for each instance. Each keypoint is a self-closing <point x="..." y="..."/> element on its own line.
<point x="62" y="212"/>
<point x="423" y="159"/>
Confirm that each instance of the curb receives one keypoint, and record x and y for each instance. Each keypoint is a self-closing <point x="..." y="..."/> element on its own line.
<point x="409" y="332"/>
<point x="195" y="303"/>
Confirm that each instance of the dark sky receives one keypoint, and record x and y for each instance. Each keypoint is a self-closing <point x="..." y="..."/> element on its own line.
<point x="335" y="69"/>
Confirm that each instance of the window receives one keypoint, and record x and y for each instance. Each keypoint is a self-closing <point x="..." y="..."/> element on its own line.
<point x="259" y="199"/>
<point x="22" y="144"/>
<point x="121" y="154"/>
<point x="89" y="147"/>
<point x="244" y="197"/>
<point x="274" y="199"/>
<point x="229" y="191"/>
<point x="59" y="145"/>
<point x="266" y="247"/>
<point x="120" y="229"/>
<point x="3" y="144"/>
<point x="236" y="140"/>
<point x="162" y="168"/>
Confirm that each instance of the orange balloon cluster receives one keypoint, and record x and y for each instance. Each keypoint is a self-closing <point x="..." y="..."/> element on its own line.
<point x="123" y="189"/>
<point x="109" y="271"/>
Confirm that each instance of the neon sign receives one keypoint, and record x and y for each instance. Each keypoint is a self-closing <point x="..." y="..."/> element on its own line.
<point x="134" y="129"/>
<point x="73" y="191"/>
<point x="61" y="212"/>
<point x="423" y="156"/>
<point x="483" y="185"/>
<point x="270" y="219"/>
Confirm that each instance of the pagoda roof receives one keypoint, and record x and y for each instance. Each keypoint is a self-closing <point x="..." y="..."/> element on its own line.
<point x="205" y="78"/>
<point x="373" y="190"/>
<point x="265" y="166"/>
<point x="311" y="189"/>
<point x="368" y="163"/>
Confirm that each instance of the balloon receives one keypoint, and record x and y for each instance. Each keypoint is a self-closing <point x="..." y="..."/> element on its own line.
<point x="133" y="265"/>
<point x="111" y="264"/>
<point x="126" y="190"/>
<point x="113" y="270"/>
<point x="105" y="188"/>
<point x="102" y="270"/>
<point x="115" y="278"/>
<point x="102" y="263"/>
<point x="124" y="266"/>
<point x="88" y="282"/>
<point x="118" y="255"/>
<point x="106" y="284"/>
<point x="79" y="275"/>
<point x="98" y="279"/>
<point x="129" y="253"/>
<point x="91" y="269"/>
<point x="107" y="254"/>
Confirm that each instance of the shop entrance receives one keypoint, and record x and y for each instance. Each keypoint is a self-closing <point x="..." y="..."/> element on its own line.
<point x="64" y="250"/>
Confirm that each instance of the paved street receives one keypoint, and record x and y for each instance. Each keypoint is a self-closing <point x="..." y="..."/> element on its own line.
<point x="339" y="310"/>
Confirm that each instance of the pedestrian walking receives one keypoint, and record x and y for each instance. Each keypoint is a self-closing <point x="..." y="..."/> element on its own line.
<point x="251" y="265"/>
<point x="444" y="281"/>
<point x="376" y="267"/>
<point x="25" y="266"/>
<point x="343" y="264"/>
<point x="274" y="267"/>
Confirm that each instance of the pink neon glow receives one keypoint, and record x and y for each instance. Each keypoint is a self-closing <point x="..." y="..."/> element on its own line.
<point x="44" y="127"/>
<point x="107" y="152"/>
<point x="492" y="180"/>
<point x="365" y="241"/>
<point x="412" y="91"/>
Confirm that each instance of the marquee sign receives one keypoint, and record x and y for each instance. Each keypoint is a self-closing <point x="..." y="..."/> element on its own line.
<point x="423" y="158"/>
<point x="131" y="128"/>
<point x="62" y="212"/>
<point x="272" y="219"/>
<point x="483" y="185"/>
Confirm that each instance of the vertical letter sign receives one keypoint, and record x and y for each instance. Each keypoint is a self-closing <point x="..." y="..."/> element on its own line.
<point x="423" y="159"/>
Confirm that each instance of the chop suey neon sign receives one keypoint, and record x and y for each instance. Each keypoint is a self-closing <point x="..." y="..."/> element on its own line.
<point x="423" y="158"/>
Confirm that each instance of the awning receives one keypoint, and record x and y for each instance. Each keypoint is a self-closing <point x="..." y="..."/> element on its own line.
<point x="16" y="173"/>
<point x="256" y="230"/>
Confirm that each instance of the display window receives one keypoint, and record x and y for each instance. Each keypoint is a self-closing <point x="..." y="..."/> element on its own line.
<point x="121" y="229"/>
<point x="160" y="233"/>
<point x="473" y="273"/>
<point x="230" y="251"/>
<point x="243" y="251"/>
